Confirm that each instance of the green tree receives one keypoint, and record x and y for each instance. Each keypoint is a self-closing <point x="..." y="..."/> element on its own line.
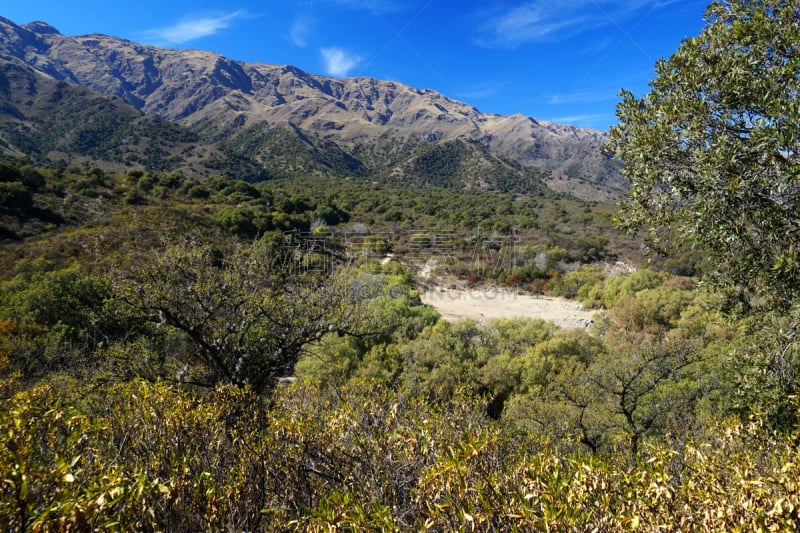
<point x="246" y="314"/>
<point x="641" y="388"/>
<point x="712" y="154"/>
<point x="55" y="316"/>
<point x="646" y="385"/>
<point x="712" y="150"/>
<point x="14" y="196"/>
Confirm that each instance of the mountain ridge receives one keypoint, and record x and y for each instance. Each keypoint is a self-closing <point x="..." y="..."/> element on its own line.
<point x="376" y="122"/>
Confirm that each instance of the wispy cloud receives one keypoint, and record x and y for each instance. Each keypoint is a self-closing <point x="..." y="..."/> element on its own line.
<point x="484" y="90"/>
<point x="381" y="6"/>
<point x="600" y="121"/>
<point x="542" y="20"/>
<point x="302" y="29"/>
<point x="377" y="6"/>
<point x="600" y="95"/>
<point x="339" y="62"/>
<point x="192" y="28"/>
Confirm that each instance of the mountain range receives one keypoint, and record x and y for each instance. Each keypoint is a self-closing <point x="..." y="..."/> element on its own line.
<point x="104" y="101"/>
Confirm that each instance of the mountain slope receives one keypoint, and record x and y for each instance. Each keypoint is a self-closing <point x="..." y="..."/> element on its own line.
<point x="359" y="126"/>
<point x="49" y="119"/>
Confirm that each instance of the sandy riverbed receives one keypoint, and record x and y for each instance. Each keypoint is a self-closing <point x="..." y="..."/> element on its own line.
<point x="484" y="304"/>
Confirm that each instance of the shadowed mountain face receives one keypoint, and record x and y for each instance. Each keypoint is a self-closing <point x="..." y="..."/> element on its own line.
<point x="281" y="120"/>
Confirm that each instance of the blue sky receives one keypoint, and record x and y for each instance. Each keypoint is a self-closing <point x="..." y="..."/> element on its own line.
<point x="563" y="61"/>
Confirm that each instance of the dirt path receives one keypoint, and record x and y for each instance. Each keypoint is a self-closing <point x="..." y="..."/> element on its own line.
<point x="483" y="304"/>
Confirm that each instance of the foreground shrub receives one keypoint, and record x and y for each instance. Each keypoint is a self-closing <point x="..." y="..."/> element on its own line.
<point x="141" y="456"/>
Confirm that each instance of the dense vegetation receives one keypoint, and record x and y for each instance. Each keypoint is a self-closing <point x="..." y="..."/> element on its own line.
<point x="147" y="320"/>
<point x="181" y="354"/>
<point x="724" y="114"/>
<point x="54" y="121"/>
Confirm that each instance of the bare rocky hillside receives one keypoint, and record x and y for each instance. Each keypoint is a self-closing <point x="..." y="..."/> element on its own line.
<point x="376" y="127"/>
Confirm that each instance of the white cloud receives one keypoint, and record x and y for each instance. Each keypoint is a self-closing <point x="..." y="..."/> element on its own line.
<point x="600" y="121"/>
<point x="192" y="28"/>
<point x="364" y="4"/>
<point x="378" y="6"/>
<point x="540" y="20"/>
<point x="339" y="62"/>
<point x="600" y="95"/>
<point x="302" y="29"/>
<point x="482" y="90"/>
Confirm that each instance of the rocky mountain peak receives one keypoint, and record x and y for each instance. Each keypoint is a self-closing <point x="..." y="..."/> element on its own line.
<point x="224" y="97"/>
<point x="41" y="28"/>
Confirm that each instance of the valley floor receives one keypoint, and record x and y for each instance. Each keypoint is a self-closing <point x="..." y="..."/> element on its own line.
<point x="486" y="303"/>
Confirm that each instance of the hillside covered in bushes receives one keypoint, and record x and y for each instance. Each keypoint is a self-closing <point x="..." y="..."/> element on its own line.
<point x="150" y="320"/>
<point x="186" y="352"/>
